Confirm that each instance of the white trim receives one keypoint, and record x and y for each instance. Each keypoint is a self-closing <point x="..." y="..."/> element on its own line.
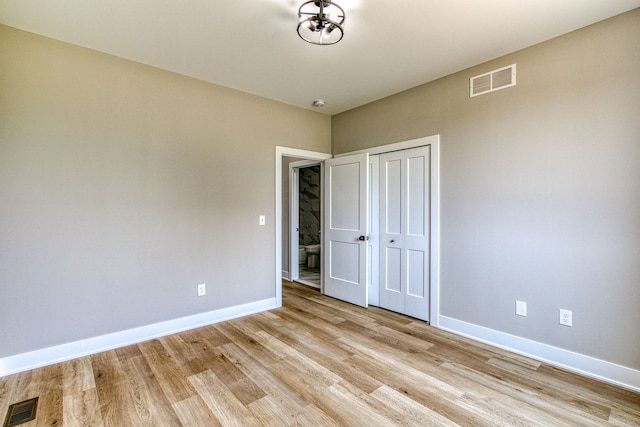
<point x="322" y="190"/>
<point x="60" y="353"/>
<point x="294" y="219"/>
<point x="396" y="146"/>
<point x="434" y="243"/>
<point x="373" y="274"/>
<point x="565" y="359"/>
<point x="285" y="275"/>
<point x="280" y="153"/>
<point x="304" y="164"/>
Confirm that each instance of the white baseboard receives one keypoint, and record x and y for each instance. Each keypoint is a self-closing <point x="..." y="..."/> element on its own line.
<point x="569" y="360"/>
<point x="60" y="353"/>
<point x="285" y="275"/>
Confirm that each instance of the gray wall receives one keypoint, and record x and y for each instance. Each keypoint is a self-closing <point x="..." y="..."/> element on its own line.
<point x="540" y="188"/>
<point x="123" y="186"/>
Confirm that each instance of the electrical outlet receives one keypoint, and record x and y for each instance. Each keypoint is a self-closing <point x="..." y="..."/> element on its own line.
<point x="202" y="290"/>
<point x="566" y="317"/>
<point x="262" y="220"/>
<point x="521" y="308"/>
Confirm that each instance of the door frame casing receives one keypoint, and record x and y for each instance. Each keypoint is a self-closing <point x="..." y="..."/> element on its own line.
<point x="374" y="241"/>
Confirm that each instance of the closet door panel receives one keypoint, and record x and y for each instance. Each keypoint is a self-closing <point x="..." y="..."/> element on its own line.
<point x="392" y="195"/>
<point x="416" y="207"/>
<point x="392" y="260"/>
<point x="404" y="231"/>
<point x="345" y="248"/>
<point x="416" y="273"/>
<point x="393" y="278"/>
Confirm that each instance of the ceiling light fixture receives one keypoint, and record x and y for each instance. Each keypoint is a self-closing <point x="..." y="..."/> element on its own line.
<point x="320" y="22"/>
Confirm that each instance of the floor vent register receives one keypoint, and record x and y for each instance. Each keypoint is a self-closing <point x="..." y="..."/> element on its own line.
<point x="22" y="412"/>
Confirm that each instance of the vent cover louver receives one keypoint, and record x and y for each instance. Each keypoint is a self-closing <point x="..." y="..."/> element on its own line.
<point x="492" y="81"/>
<point x="22" y="412"/>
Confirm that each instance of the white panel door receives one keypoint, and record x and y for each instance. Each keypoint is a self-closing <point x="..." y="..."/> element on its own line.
<point x="346" y="228"/>
<point x="404" y="231"/>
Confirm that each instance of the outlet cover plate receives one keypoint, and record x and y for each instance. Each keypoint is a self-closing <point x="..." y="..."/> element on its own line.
<point x="202" y="290"/>
<point x="566" y="317"/>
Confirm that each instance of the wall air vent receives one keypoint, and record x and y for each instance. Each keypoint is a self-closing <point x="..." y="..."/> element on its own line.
<point x="492" y="81"/>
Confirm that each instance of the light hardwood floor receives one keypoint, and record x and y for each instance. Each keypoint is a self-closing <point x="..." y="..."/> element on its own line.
<point x="315" y="361"/>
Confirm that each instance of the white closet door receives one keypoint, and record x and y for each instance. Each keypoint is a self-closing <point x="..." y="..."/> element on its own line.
<point x="346" y="228"/>
<point x="405" y="232"/>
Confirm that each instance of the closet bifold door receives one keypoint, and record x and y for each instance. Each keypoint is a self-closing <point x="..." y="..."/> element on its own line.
<point x="346" y="183"/>
<point x="405" y="231"/>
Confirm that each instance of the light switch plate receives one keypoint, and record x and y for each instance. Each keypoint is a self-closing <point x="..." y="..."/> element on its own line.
<point x="262" y="220"/>
<point x="521" y="308"/>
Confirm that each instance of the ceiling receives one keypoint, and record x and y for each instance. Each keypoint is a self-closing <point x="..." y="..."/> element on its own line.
<point x="252" y="45"/>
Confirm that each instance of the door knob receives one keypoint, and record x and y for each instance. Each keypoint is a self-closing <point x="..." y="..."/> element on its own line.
<point x="391" y="241"/>
<point x="363" y="238"/>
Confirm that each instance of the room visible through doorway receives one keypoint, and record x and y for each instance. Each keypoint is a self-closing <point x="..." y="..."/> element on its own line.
<point x="305" y="207"/>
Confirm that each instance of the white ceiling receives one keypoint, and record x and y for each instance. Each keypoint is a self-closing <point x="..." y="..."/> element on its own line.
<point x="252" y="45"/>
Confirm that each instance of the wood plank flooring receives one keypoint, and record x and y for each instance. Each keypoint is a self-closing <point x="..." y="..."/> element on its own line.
<point x="315" y="362"/>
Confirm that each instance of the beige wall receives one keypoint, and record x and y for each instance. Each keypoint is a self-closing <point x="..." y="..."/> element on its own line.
<point x="122" y="187"/>
<point x="540" y="188"/>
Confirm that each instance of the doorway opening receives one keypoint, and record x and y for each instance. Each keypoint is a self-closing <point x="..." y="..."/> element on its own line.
<point x="305" y="222"/>
<point x="285" y="156"/>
